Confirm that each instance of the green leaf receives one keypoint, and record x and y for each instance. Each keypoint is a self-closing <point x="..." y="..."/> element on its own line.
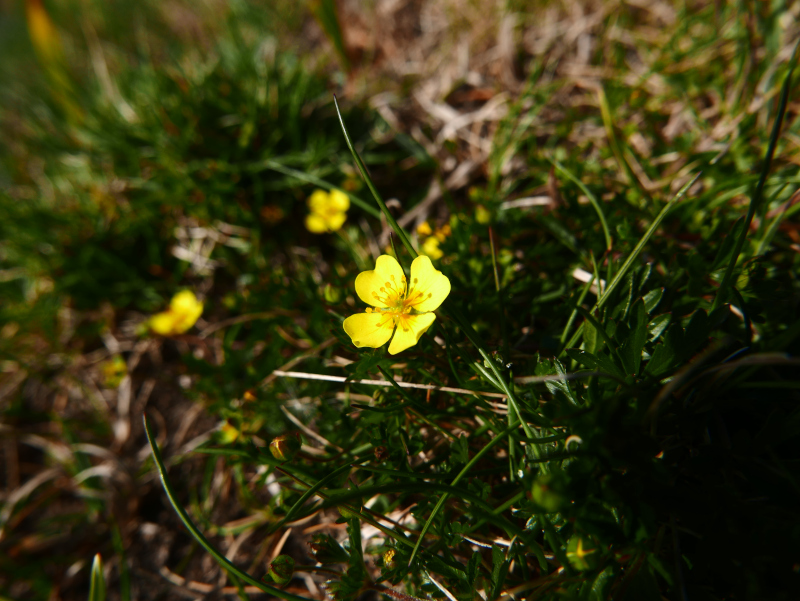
<point x="657" y="326"/>
<point x="602" y="585"/>
<point x="666" y="353"/>
<point x="499" y="571"/>
<point x="472" y="569"/>
<point x="591" y="341"/>
<point x="553" y="367"/>
<point x="652" y="299"/>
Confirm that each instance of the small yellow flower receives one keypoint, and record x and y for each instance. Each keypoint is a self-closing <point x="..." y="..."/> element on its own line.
<point x="328" y="211"/>
<point x="184" y="311"/>
<point x="397" y="307"/>
<point x="424" y="229"/>
<point x="431" y="248"/>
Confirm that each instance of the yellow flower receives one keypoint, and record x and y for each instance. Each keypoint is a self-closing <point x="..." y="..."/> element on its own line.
<point x="424" y="229"/>
<point x="406" y="311"/>
<point x="431" y="248"/>
<point x="328" y="211"/>
<point x="184" y="310"/>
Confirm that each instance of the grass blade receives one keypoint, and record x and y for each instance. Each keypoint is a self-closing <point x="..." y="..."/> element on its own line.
<point x="195" y="532"/>
<point x="363" y="169"/>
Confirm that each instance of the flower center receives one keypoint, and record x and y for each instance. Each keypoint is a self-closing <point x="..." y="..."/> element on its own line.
<point x="399" y="302"/>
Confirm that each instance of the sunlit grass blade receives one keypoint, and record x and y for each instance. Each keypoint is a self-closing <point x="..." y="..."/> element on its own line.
<point x="195" y="532"/>
<point x="97" y="583"/>
<point x="755" y="200"/>
<point x="365" y="174"/>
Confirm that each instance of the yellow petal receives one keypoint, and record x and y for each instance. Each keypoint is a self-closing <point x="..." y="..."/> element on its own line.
<point x="339" y="200"/>
<point x="318" y="201"/>
<point x="186" y="303"/>
<point x="409" y="331"/>
<point x="364" y="329"/>
<point x="163" y="323"/>
<point x="432" y="283"/>
<point x="335" y="221"/>
<point x="369" y="282"/>
<point x="316" y="224"/>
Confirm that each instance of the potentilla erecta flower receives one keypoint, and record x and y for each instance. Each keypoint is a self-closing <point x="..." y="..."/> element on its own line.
<point x="184" y="311"/>
<point x="328" y="211"/>
<point x="399" y="305"/>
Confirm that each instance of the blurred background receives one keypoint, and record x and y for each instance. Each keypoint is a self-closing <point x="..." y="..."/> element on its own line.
<point x="152" y="146"/>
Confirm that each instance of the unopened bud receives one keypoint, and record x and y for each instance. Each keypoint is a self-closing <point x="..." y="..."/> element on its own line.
<point x="281" y="569"/>
<point x="285" y="446"/>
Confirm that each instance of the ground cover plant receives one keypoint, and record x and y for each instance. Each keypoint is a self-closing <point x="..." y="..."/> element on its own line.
<point x="523" y="326"/>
